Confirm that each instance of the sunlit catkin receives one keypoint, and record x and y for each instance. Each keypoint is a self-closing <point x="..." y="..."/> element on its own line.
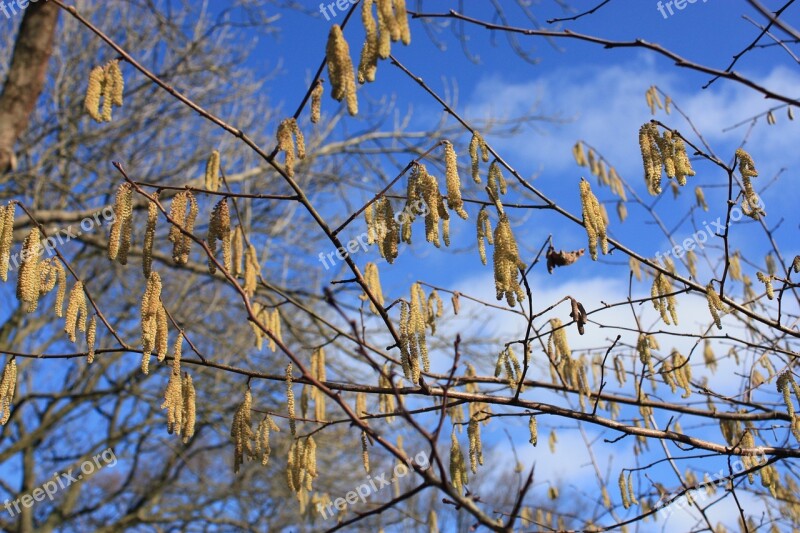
<point x="458" y="469"/>
<point x="263" y="449"/>
<point x="373" y="281"/>
<point x="107" y="83"/>
<point x="766" y="279"/>
<point x="8" y="385"/>
<point x="484" y="227"/>
<point x="252" y="269"/>
<point x="237" y="251"/>
<point x="29" y="278"/>
<point x="663" y="299"/>
<point x="316" y="101"/>
<point x="76" y="311"/>
<point x="475" y="446"/>
<point x="189" y="414"/>
<point x="149" y="235"/>
<point x="477" y="143"/>
<point x="290" y="401"/>
<point x="369" y="53"/>
<point x="93" y="93"/>
<point x="454" y="200"/>
<point x="91" y="339"/>
<point x="219" y="228"/>
<point x="151" y="301"/>
<point x="242" y="431"/>
<point x="340" y="69"/>
<point x="119" y="240"/>
<point x="507" y="264"/>
<point x="212" y="172"/>
<point x="182" y="219"/>
<point x="593" y="220"/>
<point x="714" y="304"/>
<point x="291" y="142"/>
<point x="496" y="181"/>
<point x="6" y="237"/>
<point x="534" y="430"/>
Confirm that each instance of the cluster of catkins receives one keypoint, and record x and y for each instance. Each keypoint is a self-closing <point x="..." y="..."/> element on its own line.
<point x="271" y="320"/>
<point x="667" y="151"/>
<point x="179" y="398"/>
<point x="392" y="25"/>
<point x="677" y="372"/>
<point x="663" y="299"/>
<point x="751" y="204"/>
<point x="786" y="384"/>
<point x="291" y="142"/>
<point x="415" y="317"/>
<point x="247" y="443"/>
<point x="105" y="82"/>
<point x="606" y="174"/>
<point x="310" y="392"/>
<point x="594" y="220"/>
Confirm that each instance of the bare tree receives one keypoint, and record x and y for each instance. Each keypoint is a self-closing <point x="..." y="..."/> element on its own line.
<point x="220" y="261"/>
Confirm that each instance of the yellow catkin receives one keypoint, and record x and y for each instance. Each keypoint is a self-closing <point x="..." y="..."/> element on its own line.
<point x="161" y="342"/>
<point x="6" y="237"/>
<point x="219" y="228"/>
<point x="252" y="269"/>
<point x="76" y="311"/>
<point x="386" y="402"/>
<point x="91" y="339"/>
<point x="119" y="240"/>
<point x="340" y="69"/>
<point x="534" y="430"/>
<point x="496" y="182"/>
<point x="29" y="278"/>
<point x="475" y="446"/>
<point x="454" y="200"/>
<point x="189" y="414"/>
<point x="316" y="101"/>
<point x="262" y="448"/>
<point x="173" y="403"/>
<point x="458" y="469"/>
<point x="291" y="142"/>
<point x="701" y="198"/>
<point x="552" y="440"/>
<point x="373" y="281"/>
<point x="177" y="212"/>
<point x="708" y="357"/>
<point x="435" y="310"/>
<point x="149" y="236"/>
<point x="714" y="304"/>
<point x="387" y="230"/>
<point x="8" y="385"/>
<point x="484" y="227"/>
<point x="579" y="154"/>
<point x="115" y="81"/>
<point x="242" y="432"/>
<point x="766" y="279"/>
<point x="212" y="172"/>
<point x="107" y="83"/>
<point x="237" y="251"/>
<point x="151" y="302"/>
<point x="429" y="191"/>
<point x="507" y="264"/>
<point x="290" y="401"/>
<point x="663" y="300"/>
<point x="477" y="144"/>
<point x="320" y="374"/>
<point x="735" y="267"/>
<point x="365" y="451"/>
<point x="593" y="220"/>
<point x="93" y="93"/>
<point x="368" y="65"/>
